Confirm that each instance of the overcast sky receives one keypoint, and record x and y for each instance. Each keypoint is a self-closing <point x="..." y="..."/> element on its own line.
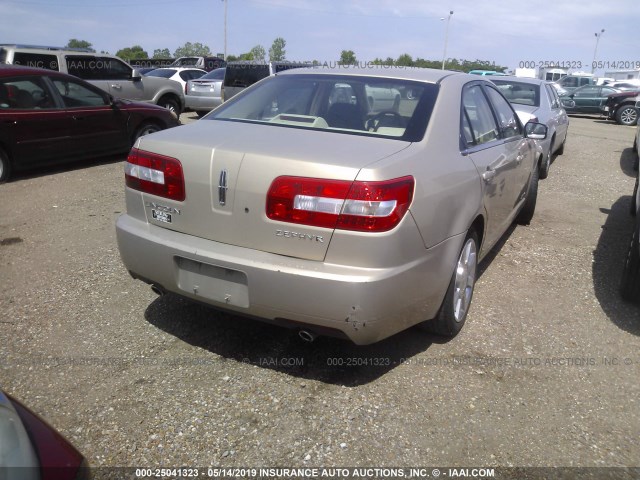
<point x="504" y="32"/>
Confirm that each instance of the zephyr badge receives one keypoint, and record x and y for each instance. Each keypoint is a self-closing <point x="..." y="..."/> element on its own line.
<point x="222" y="187"/>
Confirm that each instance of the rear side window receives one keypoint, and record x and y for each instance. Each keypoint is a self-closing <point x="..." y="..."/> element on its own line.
<point x="24" y="94"/>
<point x="479" y="117"/>
<point x="37" y="60"/>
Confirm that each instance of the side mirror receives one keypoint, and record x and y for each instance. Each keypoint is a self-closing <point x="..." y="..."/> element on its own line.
<point x="135" y="75"/>
<point x="535" y="131"/>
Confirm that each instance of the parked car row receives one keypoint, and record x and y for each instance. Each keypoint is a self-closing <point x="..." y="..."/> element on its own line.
<point x="617" y="104"/>
<point x="50" y="117"/>
<point x="107" y="72"/>
<point x="537" y="100"/>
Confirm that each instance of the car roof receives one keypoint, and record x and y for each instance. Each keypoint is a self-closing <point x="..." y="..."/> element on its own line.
<point x="428" y="75"/>
<point x="12" y="70"/>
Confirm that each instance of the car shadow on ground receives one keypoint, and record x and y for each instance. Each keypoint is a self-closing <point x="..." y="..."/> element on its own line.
<point x="246" y="340"/>
<point x="327" y="359"/>
<point x="627" y="159"/>
<point x="66" y="167"/>
<point x="608" y="262"/>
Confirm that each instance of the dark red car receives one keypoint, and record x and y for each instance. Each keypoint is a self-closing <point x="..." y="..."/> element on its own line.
<point x="48" y="117"/>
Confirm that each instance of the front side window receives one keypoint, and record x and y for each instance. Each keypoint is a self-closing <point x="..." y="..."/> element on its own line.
<point x="76" y="95"/>
<point x="89" y="67"/>
<point x="509" y="124"/>
<point x="337" y="103"/>
<point x="587" y="92"/>
<point x="24" y="94"/>
<point x="478" y="116"/>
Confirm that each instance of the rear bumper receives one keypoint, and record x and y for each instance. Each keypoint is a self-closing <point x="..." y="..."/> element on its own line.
<point x="363" y="304"/>
<point x="195" y="102"/>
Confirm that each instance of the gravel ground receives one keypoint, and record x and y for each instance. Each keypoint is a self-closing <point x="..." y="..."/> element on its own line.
<point x="545" y="372"/>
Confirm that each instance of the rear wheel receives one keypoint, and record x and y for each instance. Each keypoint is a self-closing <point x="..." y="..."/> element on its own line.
<point x="170" y="104"/>
<point x="453" y="311"/>
<point x="634" y="207"/>
<point x="526" y="214"/>
<point x="630" y="284"/>
<point x="145" y="129"/>
<point x="546" y="162"/>
<point x="627" y="115"/>
<point x="5" y="167"/>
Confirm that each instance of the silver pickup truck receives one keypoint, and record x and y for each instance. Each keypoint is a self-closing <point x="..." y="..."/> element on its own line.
<point x="107" y="72"/>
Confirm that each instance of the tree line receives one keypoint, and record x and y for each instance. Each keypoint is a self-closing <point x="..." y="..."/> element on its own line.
<point x="277" y="52"/>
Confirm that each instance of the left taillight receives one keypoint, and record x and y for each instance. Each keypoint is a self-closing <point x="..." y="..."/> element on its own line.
<point x="155" y="174"/>
<point x="344" y="205"/>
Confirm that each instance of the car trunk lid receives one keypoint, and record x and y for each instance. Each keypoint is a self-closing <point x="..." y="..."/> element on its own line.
<point x="229" y="166"/>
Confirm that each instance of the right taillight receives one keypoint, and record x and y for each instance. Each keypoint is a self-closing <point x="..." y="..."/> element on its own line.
<point x="155" y="174"/>
<point x="361" y="206"/>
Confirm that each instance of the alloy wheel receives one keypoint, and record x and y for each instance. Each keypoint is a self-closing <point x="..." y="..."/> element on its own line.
<point x="465" y="280"/>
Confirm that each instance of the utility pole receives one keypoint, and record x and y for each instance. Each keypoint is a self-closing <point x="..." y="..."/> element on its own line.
<point x="225" y="29"/>
<point x="446" y="38"/>
<point x="595" y="52"/>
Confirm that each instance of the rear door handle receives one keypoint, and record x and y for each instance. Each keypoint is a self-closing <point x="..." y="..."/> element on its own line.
<point x="116" y="86"/>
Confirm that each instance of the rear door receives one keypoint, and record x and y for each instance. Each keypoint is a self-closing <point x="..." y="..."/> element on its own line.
<point x="588" y="99"/>
<point x="494" y="158"/>
<point x="559" y="117"/>
<point x="33" y="121"/>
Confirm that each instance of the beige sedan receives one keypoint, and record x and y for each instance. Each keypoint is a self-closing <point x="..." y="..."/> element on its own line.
<point x="326" y="213"/>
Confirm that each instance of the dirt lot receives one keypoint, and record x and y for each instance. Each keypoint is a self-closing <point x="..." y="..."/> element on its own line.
<point x="545" y="372"/>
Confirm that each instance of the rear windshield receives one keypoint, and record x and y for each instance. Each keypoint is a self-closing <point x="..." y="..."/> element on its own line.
<point x="217" y="74"/>
<point x="519" y="92"/>
<point x="355" y="105"/>
<point x="161" y="72"/>
<point x="243" y="76"/>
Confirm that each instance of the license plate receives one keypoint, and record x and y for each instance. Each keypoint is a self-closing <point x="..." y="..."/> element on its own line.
<point x="606" y="109"/>
<point x="161" y="216"/>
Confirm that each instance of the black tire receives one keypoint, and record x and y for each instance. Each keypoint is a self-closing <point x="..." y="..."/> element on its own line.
<point x="526" y="214"/>
<point x="170" y="104"/>
<point x="450" y="319"/>
<point x="145" y="129"/>
<point x="5" y="167"/>
<point x="627" y="115"/>
<point x="634" y="208"/>
<point x="545" y="164"/>
<point x="201" y="113"/>
<point x="560" y="151"/>
<point x="630" y="284"/>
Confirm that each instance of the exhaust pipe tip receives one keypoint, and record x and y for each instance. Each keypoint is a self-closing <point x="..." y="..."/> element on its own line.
<point x="307" y="336"/>
<point x="157" y="290"/>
